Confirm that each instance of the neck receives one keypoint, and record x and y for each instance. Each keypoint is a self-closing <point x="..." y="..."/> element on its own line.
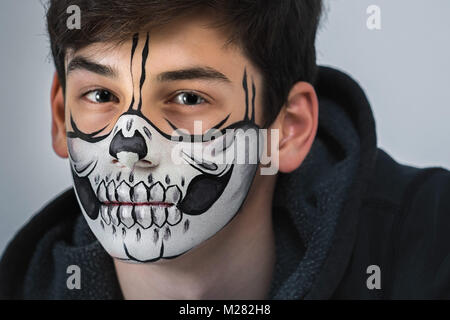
<point x="236" y="263"/>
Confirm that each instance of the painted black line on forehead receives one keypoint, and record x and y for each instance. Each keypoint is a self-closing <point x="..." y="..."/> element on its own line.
<point x="133" y="49"/>
<point x="245" y="86"/>
<point x="144" y="61"/>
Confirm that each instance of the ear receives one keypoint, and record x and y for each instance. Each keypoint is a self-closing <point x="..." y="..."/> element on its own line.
<point x="59" y="139"/>
<point x="297" y="124"/>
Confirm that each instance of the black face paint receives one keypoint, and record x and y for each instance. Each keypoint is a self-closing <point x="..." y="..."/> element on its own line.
<point x="158" y="209"/>
<point x="203" y="191"/>
<point x="89" y="137"/>
<point x="144" y="60"/>
<point x="133" y="50"/>
<point x="135" y="144"/>
<point x="87" y="196"/>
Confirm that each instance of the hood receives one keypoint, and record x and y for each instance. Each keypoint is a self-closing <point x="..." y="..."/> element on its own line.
<point x="315" y="214"/>
<point x="316" y="207"/>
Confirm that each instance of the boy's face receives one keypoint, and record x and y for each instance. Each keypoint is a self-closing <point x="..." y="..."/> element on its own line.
<point x="147" y="192"/>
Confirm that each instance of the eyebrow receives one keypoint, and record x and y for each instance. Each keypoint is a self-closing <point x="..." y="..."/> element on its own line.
<point x="82" y="63"/>
<point x="194" y="73"/>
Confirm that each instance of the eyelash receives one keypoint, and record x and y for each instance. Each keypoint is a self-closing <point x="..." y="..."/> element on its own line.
<point x="204" y="100"/>
<point x="113" y="96"/>
<point x="115" y="99"/>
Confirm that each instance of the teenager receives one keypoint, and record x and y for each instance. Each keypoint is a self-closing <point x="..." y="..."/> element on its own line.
<point x="141" y="85"/>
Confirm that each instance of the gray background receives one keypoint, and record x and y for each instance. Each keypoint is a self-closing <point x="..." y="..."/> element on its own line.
<point x="404" y="69"/>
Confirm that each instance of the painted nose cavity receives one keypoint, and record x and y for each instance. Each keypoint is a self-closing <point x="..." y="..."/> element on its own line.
<point x="128" y="150"/>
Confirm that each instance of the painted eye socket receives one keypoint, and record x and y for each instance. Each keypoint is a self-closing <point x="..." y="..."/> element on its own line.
<point x="188" y="98"/>
<point x="101" y="96"/>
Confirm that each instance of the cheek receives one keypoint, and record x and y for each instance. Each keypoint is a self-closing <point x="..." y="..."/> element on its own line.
<point x="260" y="108"/>
<point x="82" y="154"/>
<point x="260" y="115"/>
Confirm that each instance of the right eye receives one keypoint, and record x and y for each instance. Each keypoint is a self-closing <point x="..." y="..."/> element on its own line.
<point x="101" y="96"/>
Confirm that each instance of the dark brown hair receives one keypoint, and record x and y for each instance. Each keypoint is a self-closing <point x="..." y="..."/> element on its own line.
<point x="278" y="36"/>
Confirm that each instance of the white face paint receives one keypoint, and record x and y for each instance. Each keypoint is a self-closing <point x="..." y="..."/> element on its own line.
<point x="147" y="196"/>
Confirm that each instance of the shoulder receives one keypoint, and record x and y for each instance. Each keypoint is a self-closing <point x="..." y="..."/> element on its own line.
<point x="19" y="253"/>
<point x="413" y="207"/>
<point x="408" y="187"/>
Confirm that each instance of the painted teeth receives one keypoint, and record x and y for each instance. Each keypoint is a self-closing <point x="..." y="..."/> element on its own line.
<point x="140" y="193"/>
<point x="157" y="192"/>
<point x="125" y="214"/>
<point x="105" y="214"/>
<point x="173" y="194"/>
<point x="135" y="208"/>
<point x="113" y="210"/>
<point x="111" y="191"/>
<point x="173" y="215"/>
<point x="158" y="216"/>
<point x="101" y="192"/>
<point x="123" y="192"/>
<point x="143" y="216"/>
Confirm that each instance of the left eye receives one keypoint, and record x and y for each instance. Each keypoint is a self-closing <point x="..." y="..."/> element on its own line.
<point x="100" y="96"/>
<point x="188" y="98"/>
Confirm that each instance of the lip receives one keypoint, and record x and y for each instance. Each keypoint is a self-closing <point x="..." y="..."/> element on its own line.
<point x="137" y="204"/>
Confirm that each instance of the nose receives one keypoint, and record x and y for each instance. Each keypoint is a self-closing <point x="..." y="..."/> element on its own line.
<point x="128" y="150"/>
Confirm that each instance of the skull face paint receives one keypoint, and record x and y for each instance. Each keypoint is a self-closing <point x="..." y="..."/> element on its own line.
<point x="143" y="206"/>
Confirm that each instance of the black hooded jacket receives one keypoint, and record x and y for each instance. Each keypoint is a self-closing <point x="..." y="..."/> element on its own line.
<point x="350" y="223"/>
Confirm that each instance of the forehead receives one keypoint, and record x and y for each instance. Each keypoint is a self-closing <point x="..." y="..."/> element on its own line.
<point x="182" y="43"/>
